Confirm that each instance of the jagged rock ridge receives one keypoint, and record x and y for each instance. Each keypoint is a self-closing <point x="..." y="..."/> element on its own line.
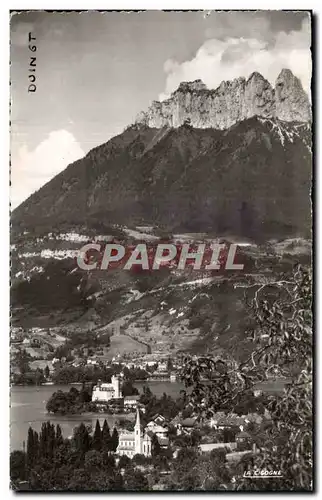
<point x="231" y="102"/>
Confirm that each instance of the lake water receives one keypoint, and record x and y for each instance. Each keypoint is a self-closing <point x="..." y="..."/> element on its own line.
<point x="28" y="407"/>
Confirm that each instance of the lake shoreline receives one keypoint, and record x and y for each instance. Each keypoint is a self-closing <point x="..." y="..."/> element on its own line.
<point x="28" y="408"/>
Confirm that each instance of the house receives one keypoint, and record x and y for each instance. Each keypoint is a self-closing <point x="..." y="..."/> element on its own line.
<point x="222" y="421"/>
<point x="16" y="338"/>
<point x="78" y="362"/>
<point x="163" y="441"/>
<point x="137" y="442"/>
<point x="131" y="402"/>
<point x="175" y="421"/>
<point x="158" y="419"/>
<point x="186" y="426"/>
<point x="41" y="364"/>
<point x="35" y="342"/>
<point x="162" y="367"/>
<point x="243" y="437"/>
<point x="92" y="361"/>
<point x="159" y="430"/>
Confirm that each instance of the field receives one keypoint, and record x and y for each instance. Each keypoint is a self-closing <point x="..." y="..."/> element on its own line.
<point x="123" y="344"/>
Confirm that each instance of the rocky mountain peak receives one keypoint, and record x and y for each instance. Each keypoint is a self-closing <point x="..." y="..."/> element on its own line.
<point x="191" y="86"/>
<point x="256" y="77"/>
<point x="292" y="103"/>
<point x="232" y="101"/>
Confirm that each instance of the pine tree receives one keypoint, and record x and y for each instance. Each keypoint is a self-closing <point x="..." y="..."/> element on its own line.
<point x="30" y="448"/>
<point x="36" y="446"/>
<point x="43" y="441"/>
<point x="46" y="372"/>
<point x="155" y="446"/>
<point x="114" y="440"/>
<point x="82" y="439"/>
<point x="50" y="441"/>
<point x="106" y="436"/>
<point x="97" y="438"/>
<point x="59" y="436"/>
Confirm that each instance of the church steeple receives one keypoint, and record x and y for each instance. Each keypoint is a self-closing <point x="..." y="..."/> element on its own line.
<point x="138" y="422"/>
<point x="138" y="433"/>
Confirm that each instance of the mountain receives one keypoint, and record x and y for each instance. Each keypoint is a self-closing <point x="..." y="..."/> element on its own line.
<point x="231" y="102"/>
<point x="237" y="166"/>
<point x="244" y="180"/>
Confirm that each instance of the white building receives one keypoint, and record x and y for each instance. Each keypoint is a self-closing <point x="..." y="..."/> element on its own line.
<point x="137" y="442"/>
<point x="106" y="392"/>
<point x="92" y="361"/>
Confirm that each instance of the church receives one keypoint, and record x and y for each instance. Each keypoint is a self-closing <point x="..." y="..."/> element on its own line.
<point x="137" y="442"/>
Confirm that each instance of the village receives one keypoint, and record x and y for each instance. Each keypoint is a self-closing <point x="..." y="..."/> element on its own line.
<point x="54" y="353"/>
<point x="226" y="431"/>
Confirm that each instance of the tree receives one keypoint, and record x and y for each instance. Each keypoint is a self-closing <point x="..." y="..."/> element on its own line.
<point x="59" y="436"/>
<point x="146" y="396"/>
<point x="212" y="472"/>
<point x="140" y="459"/>
<point x="108" y="461"/>
<point x="134" y="480"/>
<point x="182" y="476"/>
<point x="31" y="452"/>
<point x="106" y="436"/>
<point x="97" y="438"/>
<point x="128" y="389"/>
<point x="93" y="460"/>
<point x="17" y="465"/>
<point x="155" y="446"/>
<point x="114" y="440"/>
<point x="23" y="359"/>
<point x="124" y="462"/>
<point x="81" y="439"/>
<point x="42" y="440"/>
<point x="36" y="445"/>
<point x="85" y="395"/>
<point x="47" y="372"/>
<point x="47" y="441"/>
<point x="281" y="328"/>
<point x="66" y="402"/>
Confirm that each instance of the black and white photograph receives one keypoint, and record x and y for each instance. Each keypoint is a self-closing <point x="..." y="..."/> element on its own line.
<point x="161" y="229"/>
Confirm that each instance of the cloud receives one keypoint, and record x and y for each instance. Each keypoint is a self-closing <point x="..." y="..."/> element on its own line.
<point x="231" y="57"/>
<point x="32" y="169"/>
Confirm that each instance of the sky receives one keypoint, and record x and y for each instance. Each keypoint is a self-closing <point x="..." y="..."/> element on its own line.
<point x="96" y="71"/>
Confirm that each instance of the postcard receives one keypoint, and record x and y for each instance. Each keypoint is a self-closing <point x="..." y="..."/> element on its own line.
<point x="161" y="251"/>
